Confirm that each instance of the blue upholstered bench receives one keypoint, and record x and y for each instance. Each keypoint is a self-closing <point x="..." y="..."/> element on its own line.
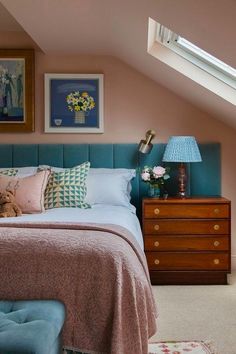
<point x="31" y="326"/>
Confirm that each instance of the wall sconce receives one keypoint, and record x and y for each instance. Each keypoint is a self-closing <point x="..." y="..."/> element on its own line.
<point x="182" y="149"/>
<point x="145" y="146"/>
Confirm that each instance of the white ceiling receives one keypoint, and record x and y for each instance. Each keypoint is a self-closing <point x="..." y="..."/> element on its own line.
<point x="119" y="28"/>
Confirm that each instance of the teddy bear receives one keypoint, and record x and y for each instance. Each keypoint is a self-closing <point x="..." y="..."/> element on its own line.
<point x="8" y="207"/>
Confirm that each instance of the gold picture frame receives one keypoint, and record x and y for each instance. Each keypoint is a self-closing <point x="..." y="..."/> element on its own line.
<point x="16" y="90"/>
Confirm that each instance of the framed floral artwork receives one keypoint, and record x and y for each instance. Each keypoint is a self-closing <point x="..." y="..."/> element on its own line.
<point x="16" y="90"/>
<point x="74" y="103"/>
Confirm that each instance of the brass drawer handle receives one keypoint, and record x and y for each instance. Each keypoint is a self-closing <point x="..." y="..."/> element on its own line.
<point x="216" y="261"/>
<point x="156" y="211"/>
<point x="156" y="244"/>
<point x="216" y="211"/>
<point x="216" y="243"/>
<point x="156" y="227"/>
<point x="157" y="261"/>
<point x="216" y="227"/>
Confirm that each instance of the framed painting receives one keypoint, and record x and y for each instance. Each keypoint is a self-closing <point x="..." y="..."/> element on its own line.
<point x="74" y="103"/>
<point x="16" y="90"/>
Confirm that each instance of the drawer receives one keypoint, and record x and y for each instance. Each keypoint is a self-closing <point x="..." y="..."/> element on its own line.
<point x="186" y="227"/>
<point x="186" y="211"/>
<point x="187" y="243"/>
<point x="187" y="261"/>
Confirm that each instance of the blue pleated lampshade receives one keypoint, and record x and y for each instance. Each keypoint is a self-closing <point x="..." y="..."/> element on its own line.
<point x="182" y="149"/>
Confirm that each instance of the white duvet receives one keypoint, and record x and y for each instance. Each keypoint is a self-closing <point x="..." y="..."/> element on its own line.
<point x="99" y="213"/>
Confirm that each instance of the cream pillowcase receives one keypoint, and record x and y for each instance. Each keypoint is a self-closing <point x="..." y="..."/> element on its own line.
<point x="29" y="191"/>
<point x="110" y="187"/>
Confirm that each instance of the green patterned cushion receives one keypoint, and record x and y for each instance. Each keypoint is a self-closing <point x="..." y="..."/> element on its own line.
<point x="9" y="172"/>
<point x="67" y="188"/>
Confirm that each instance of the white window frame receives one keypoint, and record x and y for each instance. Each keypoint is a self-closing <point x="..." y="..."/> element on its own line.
<point x="202" y="60"/>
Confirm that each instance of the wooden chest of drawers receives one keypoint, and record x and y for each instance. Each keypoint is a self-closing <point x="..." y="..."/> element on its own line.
<point x="187" y="241"/>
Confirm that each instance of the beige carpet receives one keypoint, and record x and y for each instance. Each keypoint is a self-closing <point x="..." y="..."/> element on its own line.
<point x="198" y="313"/>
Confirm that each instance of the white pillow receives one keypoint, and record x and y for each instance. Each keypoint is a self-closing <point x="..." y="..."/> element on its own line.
<point x="110" y="186"/>
<point x="127" y="173"/>
<point x="107" y="185"/>
<point x="26" y="171"/>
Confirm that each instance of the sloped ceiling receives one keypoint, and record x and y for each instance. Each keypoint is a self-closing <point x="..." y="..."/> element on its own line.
<point x="7" y="22"/>
<point x="119" y="28"/>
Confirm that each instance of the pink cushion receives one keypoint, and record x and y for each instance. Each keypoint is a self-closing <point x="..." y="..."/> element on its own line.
<point x="29" y="191"/>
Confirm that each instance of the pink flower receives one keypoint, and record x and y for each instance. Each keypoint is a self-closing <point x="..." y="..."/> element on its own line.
<point x="158" y="171"/>
<point x="145" y="176"/>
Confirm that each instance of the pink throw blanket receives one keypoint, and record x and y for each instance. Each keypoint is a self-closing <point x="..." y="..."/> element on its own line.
<point x="98" y="271"/>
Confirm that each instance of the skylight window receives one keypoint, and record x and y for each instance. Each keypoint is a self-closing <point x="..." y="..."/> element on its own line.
<point x="206" y="56"/>
<point x="196" y="55"/>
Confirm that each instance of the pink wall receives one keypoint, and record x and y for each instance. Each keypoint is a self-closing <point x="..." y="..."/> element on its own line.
<point x="133" y="104"/>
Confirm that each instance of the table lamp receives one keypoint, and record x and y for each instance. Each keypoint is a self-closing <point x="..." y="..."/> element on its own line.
<point x="182" y="149"/>
<point x="145" y="146"/>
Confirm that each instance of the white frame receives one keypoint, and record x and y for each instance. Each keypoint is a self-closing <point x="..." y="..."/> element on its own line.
<point x="47" y="100"/>
<point x="170" y="40"/>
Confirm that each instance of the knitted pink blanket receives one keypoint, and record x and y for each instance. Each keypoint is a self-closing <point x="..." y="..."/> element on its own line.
<point x="98" y="272"/>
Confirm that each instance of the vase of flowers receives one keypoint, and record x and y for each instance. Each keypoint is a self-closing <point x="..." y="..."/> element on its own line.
<point x="155" y="177"/>
<point x="80" y="103"/>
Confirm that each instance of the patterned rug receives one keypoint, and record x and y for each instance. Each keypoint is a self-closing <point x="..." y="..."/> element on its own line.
<point x="171" y="347"/>
<point x="194" y="347"/>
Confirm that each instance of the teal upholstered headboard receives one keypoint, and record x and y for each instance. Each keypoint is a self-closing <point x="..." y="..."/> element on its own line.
<point x="204" y="177"/>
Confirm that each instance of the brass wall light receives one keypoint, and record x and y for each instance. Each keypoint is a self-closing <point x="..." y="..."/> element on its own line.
<point x="145" y="146"/>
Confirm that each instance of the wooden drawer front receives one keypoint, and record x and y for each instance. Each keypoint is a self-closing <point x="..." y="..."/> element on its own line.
<point x="186" y="211"/>
<point x="188" y="227"/>
<point x="188" y="243"/>
<point x="187" y="261"/>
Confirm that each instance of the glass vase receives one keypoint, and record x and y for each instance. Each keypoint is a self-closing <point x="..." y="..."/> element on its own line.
<point x="154" y="191"/>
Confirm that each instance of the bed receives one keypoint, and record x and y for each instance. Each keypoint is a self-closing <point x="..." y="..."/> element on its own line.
<point x="97" y="269"/>
<point x="90" y="259"/>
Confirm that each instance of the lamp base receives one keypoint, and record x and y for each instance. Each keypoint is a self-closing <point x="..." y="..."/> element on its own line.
<point x="182" y="181"/>
<point x="182" y="195"/>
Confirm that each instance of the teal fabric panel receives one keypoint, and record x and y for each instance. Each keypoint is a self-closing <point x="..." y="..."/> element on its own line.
<point x="6" y="154"/>
<point x="152" y="159"/>
<point x="51" y="154"/>
<point x="57" y="346"/>
<point x="75" y="155"/>
<point x="25" y="155"/>
<point x="101" y="155"/>
<point x="52" y="311"/>
<point x="31" y="326"/>
<point x="205" y="176"/>
<point x="126" y="156"/>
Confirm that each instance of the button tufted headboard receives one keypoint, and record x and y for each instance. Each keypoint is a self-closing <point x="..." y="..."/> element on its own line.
<point x="204" y="177"/>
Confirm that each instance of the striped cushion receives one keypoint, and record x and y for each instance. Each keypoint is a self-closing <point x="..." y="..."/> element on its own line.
<point x="67" y="188"/>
